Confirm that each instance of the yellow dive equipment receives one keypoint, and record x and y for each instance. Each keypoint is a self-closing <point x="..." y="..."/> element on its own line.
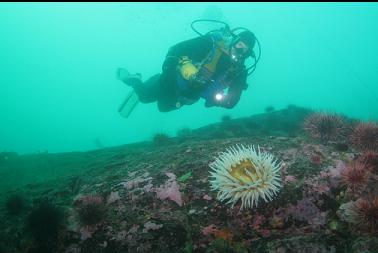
<point x="214" y="57"/>
<point x="187" y="68"/>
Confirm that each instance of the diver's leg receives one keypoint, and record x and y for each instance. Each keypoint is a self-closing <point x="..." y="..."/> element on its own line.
<point x="148" y="91"/>
<point x="167" y="99"/>
<point x="166" y="106"/>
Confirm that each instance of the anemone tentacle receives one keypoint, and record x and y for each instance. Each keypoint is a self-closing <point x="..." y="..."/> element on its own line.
<point x="245" y="174"/>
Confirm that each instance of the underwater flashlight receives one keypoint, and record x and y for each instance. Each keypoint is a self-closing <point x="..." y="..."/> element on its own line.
<point x="218" y="96"/>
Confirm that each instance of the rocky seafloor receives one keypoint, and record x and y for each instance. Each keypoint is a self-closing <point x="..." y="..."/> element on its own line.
<point x="155" y="196"/>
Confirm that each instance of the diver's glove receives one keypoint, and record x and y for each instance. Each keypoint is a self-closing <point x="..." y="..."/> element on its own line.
<point x="187" y="69"/>
<point x="191" y="73"/>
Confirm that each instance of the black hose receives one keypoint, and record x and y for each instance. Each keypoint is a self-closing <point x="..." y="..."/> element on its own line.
<point x="205" y="20"/>
<point x="252" y="68"/>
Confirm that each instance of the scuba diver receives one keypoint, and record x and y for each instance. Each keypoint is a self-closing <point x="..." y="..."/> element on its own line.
<point x="211" y="66"/>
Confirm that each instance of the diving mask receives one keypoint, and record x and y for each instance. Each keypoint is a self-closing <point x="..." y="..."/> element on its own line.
<point x="239" y="51"/>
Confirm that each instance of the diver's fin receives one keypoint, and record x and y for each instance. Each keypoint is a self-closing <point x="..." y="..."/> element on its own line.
<point x="129" y="79"/>
<point x="129" y="104"/>
<point x="122" y="74"/>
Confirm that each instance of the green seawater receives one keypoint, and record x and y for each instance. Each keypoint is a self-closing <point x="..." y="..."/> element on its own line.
<point x="58" y="61"/>
<point x="63" y="141"/>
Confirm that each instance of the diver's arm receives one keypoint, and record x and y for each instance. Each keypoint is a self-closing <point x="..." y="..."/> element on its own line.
<point x="228" y="101"/>
<point x="231" y="99"/>
<point x="184" y="57"/>
<point x="195" y="49"/>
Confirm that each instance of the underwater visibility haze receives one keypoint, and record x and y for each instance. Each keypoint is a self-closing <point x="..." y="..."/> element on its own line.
<point x="188" y="127"/>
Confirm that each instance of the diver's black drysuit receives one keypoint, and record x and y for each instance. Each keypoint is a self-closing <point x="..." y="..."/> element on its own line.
<point x="163" y="87"/>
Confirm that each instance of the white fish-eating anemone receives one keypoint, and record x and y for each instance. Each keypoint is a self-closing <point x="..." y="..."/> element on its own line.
<point x="246" y="174"/>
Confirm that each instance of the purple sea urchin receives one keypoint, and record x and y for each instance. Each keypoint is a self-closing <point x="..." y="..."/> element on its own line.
<point x="325" y="126"/>
<point x="365" y="136"/>
<point x="355" y="175"/>
<point x="363" y="213"/>
<point x="370" y="158"/>
<point x="242" y="173"/>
